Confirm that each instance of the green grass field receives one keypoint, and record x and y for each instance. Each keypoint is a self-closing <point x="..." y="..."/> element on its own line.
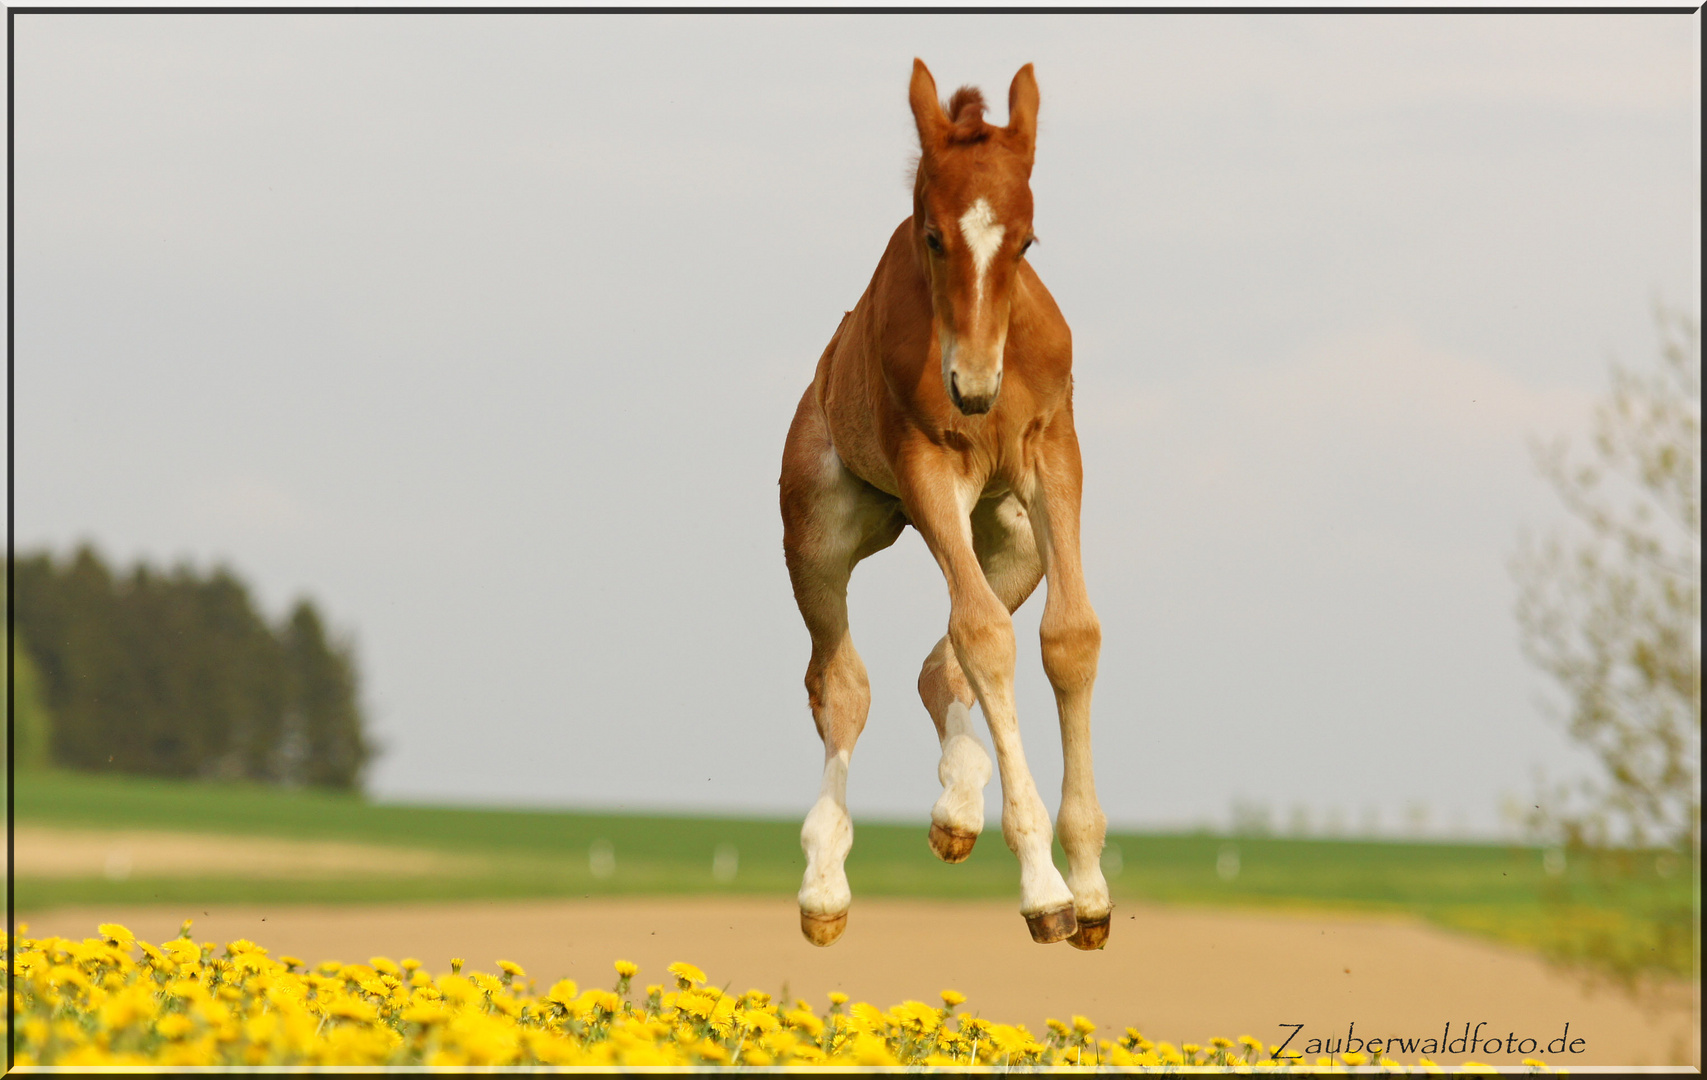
<point x="1490" y="889"/>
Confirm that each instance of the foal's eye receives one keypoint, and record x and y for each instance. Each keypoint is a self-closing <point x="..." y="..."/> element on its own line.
<point x="1025" y="247"/>
<point x="934" y="242"/>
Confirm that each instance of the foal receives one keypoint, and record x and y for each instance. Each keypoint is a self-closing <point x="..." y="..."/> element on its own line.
<point x="944" y="401"/>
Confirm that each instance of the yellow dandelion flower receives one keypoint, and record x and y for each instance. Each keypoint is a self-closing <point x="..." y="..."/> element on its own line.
<point x="563" y="991"/>
<point x="626" y="970"/>
<point x="173" y="1026"/>
<point x="125" y="1008"/>
<point x="117" y="935"/>
<point x="1085" y="1027"/>
<point x="707" y="1050"/>
<point x="951" y="998"/>
<point x="458" y="990"/>
<point x="686" y="974"/>
<point x="425" y="1012"/>
<point x="513" y="970"/>
<point x="871" y="1050"/>
<point x="837" y="998"/>
<point x="602" y="1000"/>
<point x="869" y="1018"/>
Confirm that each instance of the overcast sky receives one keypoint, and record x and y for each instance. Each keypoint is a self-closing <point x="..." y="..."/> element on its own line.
<point x="485" y="332"/>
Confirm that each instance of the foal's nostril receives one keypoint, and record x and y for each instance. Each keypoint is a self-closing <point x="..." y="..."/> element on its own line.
<point x="954" y="388"/>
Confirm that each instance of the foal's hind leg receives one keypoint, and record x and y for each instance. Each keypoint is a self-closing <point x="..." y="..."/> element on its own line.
<point x="831" y="520"/>
<point x="1003" y="538"/>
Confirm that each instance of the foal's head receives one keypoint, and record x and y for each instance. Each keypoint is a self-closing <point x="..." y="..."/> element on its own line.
<point x="972" y="225"/>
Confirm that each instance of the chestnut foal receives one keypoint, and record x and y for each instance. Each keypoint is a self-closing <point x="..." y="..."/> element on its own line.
<point x="944" y="401"/>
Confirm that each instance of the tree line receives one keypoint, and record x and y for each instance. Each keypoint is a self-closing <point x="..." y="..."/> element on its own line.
<point x="175" y="673"/>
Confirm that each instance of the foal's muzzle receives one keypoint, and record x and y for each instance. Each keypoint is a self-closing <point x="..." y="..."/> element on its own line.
<point x="973" y="404"/>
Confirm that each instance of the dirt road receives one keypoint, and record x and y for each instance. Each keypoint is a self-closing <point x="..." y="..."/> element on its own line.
<point x="45" y="851"/>
<point x="1176" y="974"/>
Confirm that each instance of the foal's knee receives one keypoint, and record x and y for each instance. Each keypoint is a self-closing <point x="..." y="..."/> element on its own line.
<point x="1071" y="645"/>
<point x="983" y="637"/>
<point x="941" y="682"/>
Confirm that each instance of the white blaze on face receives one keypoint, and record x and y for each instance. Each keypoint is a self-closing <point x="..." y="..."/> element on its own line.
<point x="983" y="236"/>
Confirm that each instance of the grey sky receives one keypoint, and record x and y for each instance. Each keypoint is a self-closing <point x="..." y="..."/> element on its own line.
<point x="485" y="332"/>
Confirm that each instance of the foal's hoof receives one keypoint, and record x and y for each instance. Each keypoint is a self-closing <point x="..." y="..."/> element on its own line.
<point x="951" y="846"/>
<point x="1048" y="926"/>
<point x="1090" y="935"/>
<point x="822" y="930"/>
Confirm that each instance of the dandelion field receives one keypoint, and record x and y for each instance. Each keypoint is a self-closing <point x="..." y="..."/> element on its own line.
<point x="115" y="1000"/>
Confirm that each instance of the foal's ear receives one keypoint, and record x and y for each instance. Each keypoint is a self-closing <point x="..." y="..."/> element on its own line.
<point x="927" y="110"/>
<point x="1022" y="110"/>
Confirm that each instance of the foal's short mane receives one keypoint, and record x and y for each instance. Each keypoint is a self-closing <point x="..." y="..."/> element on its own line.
<point x="966" y="116"/>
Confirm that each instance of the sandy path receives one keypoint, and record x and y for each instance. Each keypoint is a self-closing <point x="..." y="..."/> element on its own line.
<point x="1175" y="973"/>
<point x="44" y="851"/>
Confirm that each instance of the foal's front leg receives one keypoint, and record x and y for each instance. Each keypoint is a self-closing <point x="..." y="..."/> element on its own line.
<point x="831" y="520"/>
<point x="981" y="632"/>
<point x="1004" y="541"/>
<point x="1072" y="642"/>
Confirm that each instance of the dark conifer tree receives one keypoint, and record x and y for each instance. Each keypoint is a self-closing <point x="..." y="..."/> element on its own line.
<point x="177" y="674"/>
<point x="324" y="703"/>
